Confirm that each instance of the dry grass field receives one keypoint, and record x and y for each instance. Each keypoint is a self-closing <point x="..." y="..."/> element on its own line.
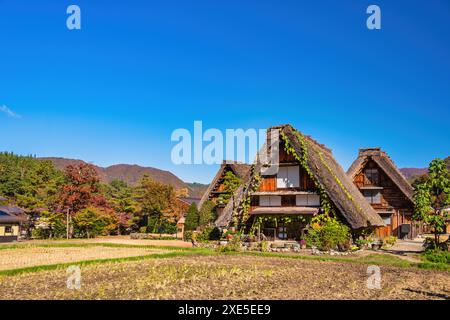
<point x="125" y="240"/>
<point x="30" y="256"/>
<point x="228" y="277"/>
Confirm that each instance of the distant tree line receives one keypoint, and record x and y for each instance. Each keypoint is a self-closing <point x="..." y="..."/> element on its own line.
<point x="75" y="197"/>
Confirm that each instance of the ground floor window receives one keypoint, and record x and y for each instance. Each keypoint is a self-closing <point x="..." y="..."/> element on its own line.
<point x="279" y="230"/>
<point x="282" y="233"/>
<point x="8" y="229"/>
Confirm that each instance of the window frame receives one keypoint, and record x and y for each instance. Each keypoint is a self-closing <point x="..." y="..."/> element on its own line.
<point x="271" y="201"/>
<point x="283" y="180"/>
<point x="369" y="177"/>
<point x="282" y="230"/>
<point x="374" y="194"/>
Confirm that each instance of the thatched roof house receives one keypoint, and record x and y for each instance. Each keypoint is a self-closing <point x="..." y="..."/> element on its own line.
<point x="387" y="190"/>
<point x="240" y="170"/>
<point x="382" y="159"/>
<point x="322" y="169"/>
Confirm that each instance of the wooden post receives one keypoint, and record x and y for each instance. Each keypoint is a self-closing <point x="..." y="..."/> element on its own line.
<point x="67" y="223"/>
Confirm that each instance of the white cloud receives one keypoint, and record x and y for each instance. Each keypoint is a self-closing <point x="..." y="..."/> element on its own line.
<point x="9" y="112"/>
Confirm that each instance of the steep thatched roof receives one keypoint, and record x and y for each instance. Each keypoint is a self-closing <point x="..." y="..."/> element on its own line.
<point x="382" y="159"/>
<point x="239" y="169"/>
<point x="340" y="189"/>
<point x="225" y="219"/>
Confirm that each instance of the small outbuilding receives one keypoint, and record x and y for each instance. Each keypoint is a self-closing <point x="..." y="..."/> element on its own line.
<point x="11" y="219"/>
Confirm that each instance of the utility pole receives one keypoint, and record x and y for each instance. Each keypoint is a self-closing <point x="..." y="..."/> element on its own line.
<point x="67" y="223"/>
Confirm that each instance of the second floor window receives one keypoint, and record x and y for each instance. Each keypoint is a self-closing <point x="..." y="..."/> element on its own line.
<point x="372" y="196"/>
<point x="371" y="176"/>
<point x="288" y="177"/>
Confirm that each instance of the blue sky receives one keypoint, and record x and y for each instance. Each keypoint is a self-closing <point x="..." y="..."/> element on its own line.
<point x="114" y="91"/>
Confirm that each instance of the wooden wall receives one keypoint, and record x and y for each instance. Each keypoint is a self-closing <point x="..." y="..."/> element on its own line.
<point x="391" y="196"/>
<point x="15" y="230"/>
<point x="269" y="183"/>
<point x="392" y="200"/>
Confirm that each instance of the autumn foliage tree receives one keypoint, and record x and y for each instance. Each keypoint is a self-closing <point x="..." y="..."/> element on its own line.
<point x="158" y="203"/>
<point x="80" y="190"/>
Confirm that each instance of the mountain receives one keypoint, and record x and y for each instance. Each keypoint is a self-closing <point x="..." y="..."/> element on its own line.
<point x="198" y="189"/>
<point x="413" y="173"/>
<point x="131" y="174"/>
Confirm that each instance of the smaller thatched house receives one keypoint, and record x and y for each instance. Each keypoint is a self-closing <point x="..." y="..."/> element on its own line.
<point x="308" y="181"/>
<point x="11" y="219"/>
<point x="387" y="190"/>
<point x="217" y="189"/>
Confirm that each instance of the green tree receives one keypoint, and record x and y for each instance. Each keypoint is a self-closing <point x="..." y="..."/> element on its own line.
<point x="432" y="196"/>
<point x="207" y="213"/>
<point x="120" y="197"/>
<point x="28" y="182"/>
<point x="50" y="225"/>
<point x="192" y="218"/>
<point x="91" y="222"/>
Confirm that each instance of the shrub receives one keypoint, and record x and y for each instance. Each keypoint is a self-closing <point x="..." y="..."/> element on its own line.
<point x="430" y="244"/>
<point x="143" y="230"/>
<point x="40" y="233"/>
<point x="331" y="234"/>
<point x="187" y="235"/>
<point x="345" y="245"/>
<point x="215" y="234"/>
<point x="264" y="246"/>
<point x="391" y="240"/>
<point x="168" y="228"/>
<point x="209" y="233"/>
<point x="437" y="256"/>
<point x="363" y="242"/>
<point x="233" y="245"/>
<point x="312" y="238"/>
